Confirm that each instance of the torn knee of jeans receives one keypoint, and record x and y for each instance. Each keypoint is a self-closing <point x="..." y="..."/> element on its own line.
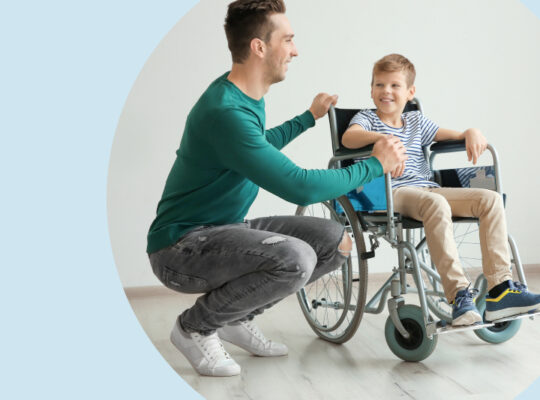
<point x="345" y="253"/>
<point x="273" y="240"/>
<point x="345" y="248"/>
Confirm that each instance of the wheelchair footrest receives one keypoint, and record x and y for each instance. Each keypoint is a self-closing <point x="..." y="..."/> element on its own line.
<point x="530" y="315"/>
<point x="441" y="327"/>
<point x="441" y="330"/>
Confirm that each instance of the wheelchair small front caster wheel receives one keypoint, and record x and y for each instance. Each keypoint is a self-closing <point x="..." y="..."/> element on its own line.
<point x="498" y="333"/>
<point x="418" y="346"/>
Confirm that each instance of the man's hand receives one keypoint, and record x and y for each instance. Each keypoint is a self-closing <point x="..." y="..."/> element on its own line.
<point x="475" y="144"/>
<point x="390" y="152"/>
<point x="321" y="104"/>
<point x="398" y="171"/>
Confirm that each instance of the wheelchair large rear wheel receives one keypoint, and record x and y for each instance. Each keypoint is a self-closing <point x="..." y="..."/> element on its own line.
<point x="334" y="304"/>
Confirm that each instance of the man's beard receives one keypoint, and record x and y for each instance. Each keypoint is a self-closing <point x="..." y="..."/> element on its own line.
<point x="274" y="74"/>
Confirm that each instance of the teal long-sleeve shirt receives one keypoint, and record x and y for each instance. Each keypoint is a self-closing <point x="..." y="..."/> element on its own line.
<point x="225" y="156"/>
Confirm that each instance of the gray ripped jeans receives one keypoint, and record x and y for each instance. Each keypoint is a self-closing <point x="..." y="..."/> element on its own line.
<point x="245" y="268"/>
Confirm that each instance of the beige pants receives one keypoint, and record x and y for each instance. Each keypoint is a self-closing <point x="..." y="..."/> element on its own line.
<point x="435" y="208"/>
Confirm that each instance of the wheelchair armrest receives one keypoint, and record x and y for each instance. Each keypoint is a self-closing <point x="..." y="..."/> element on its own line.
<point x="343" y="152"/>
<point x="448" y="146"/>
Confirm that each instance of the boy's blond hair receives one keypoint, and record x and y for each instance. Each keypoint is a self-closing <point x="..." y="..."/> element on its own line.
<point x="393" y="63"/>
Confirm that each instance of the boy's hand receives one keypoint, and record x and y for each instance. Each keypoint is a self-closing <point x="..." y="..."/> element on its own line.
<point x="390" y="152"/>
<point x="475" y="144"/>
<point x="398" y="171"/>
<point x="321" y="104"/>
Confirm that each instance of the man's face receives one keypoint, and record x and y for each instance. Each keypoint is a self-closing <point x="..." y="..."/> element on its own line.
<point x="280" y="49"/>
<point x="390" y="92"/>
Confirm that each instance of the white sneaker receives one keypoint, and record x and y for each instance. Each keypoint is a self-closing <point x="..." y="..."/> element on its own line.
<point x="248" y="336"/>
<point x="205" y="353"/>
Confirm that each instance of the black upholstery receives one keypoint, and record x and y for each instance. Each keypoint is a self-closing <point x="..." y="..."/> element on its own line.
<point x="344" y="116"/>
<point x="448" y="146"/>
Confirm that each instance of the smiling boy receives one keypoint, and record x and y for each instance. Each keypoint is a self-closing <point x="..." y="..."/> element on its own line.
<point x="417" y="196"/>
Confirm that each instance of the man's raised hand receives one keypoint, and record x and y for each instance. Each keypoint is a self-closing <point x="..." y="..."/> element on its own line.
<point x="321" y="104"/>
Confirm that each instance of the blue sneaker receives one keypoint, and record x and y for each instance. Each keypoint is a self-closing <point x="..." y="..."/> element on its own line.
<point x="464" y="311"/>
<point x="513" y="301"/>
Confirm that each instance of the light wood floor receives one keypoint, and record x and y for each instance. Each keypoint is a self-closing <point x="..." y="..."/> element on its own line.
<point x="461" y="367"/>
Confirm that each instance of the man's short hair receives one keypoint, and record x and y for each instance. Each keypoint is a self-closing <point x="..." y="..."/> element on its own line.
<point x="393" y="63"/>
<point x="249" y="19"/>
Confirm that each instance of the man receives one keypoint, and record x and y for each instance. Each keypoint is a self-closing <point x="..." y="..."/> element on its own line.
<point x="199" y="241"/>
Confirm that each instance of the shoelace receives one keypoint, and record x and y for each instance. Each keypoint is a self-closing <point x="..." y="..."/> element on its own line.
<point x="520" y="286"/>
<point x="254" y="329"/>
<point x="211" y="347"/>
<point x="466" y="297"/>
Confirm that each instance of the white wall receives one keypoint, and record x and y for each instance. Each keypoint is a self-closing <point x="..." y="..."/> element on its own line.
<point x="477" y="65"/>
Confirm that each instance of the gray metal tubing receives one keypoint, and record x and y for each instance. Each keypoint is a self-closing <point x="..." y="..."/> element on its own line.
<point x="418" y="279"/>
<point x="409" y="236"/>
<point x="430" y="271"/>
<point x="401" y="261"/>
<point x="333" y="128"/>
<point x="380" y="296"/>
<point x="304" y="299"/>
<point x="496" y="165"/>
<point x="420" y="249"/>
<point x="517" y="260"/>
<point x="391" y="228"/>
<point x="428" y="292"/>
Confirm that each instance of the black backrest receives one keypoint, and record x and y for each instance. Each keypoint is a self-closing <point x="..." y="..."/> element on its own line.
<point x="341" y="117"/>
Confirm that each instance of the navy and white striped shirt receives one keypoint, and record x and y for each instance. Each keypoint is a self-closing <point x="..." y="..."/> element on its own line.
<point x="417" y="131"/>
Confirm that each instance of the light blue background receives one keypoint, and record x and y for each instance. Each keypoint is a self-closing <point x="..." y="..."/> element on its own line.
<point x="67" y="330"/>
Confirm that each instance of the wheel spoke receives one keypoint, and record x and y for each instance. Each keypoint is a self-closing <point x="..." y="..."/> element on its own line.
<point x="341" y="299"/>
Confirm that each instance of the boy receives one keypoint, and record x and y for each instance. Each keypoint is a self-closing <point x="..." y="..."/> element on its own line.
<point x="416" y="196"/>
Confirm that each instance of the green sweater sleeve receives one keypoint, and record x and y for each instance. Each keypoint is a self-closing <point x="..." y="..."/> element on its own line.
<point x="283" y="134"/>
<point x="243" y="148"/>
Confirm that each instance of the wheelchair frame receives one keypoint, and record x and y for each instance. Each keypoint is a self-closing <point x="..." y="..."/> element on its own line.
<point x="398" y="232"/>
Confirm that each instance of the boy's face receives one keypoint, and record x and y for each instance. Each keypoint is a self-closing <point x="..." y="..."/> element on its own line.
<point x="390" y="92"/>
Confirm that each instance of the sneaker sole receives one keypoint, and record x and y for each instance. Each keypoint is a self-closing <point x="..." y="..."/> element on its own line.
<point x="509" y="312"/>
<point x="253" y="350"/>
<point x="469" y="318"/>
<point x="256" y="352"/>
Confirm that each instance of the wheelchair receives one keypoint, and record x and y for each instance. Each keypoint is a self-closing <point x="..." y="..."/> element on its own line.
<point x="334" y="304"/>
